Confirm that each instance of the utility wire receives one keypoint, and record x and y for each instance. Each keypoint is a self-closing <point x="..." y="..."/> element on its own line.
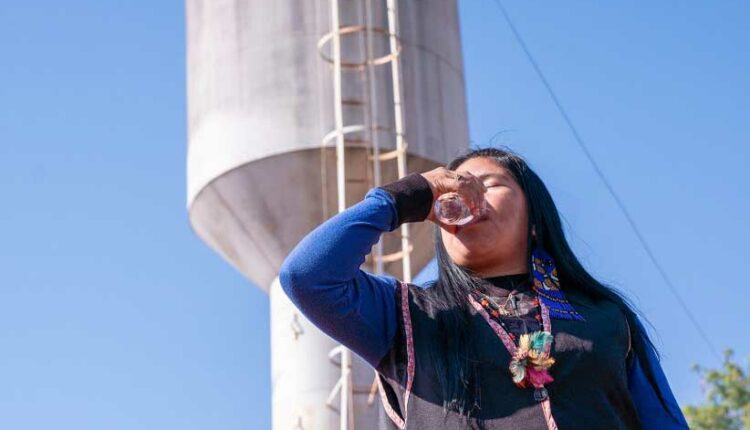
<point x="611" y="190"/>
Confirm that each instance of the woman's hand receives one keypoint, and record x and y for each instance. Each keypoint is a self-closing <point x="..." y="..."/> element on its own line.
<point x="468" y="186"/>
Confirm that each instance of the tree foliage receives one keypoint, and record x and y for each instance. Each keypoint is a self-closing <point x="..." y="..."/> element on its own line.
<point x="727" y="405"/>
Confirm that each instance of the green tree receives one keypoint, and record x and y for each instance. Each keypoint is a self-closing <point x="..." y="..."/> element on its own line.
<point x="727" y="405"/>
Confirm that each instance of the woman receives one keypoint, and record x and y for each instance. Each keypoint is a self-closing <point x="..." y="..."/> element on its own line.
<point x="514" y="334"/>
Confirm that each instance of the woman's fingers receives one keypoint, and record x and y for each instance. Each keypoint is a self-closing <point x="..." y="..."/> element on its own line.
<point x="469" y="187"/>
<point x="444" y="181"/>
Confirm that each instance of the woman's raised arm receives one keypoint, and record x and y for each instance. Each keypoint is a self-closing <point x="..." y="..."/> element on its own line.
<point x="322" y="275"/>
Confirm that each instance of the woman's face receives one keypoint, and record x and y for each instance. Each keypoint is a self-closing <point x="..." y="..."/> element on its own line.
<point x="496" y="244"/>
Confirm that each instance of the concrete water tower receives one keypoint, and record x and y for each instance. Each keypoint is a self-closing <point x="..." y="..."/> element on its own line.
<point x="295" y="110"/>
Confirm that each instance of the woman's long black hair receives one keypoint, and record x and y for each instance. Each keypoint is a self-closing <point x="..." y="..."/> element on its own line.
<point x="454" y="357"/>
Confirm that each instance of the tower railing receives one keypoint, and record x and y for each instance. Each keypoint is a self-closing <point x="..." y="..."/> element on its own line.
<point x="370" y="129"/>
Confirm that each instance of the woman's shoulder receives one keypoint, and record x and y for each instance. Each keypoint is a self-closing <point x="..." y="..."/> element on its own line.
<point x="412" y="306"/>
<point x="423" y="300"/>
<point x="578" y="295"/>
<point x="601" y="311"/>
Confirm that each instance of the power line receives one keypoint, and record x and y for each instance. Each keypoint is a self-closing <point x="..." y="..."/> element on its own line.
<point x="604" y="180"/>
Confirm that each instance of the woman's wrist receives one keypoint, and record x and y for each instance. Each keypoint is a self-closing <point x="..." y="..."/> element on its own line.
<point x="413" y="196"/>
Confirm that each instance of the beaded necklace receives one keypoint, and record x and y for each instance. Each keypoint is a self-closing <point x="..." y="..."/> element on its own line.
<point x="530" y="359"/>
<point x="497" y="311"/>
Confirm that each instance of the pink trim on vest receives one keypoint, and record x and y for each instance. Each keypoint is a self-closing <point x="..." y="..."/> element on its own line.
<point x="547" y="409"/>
<point x="406" y="316"/>
<point x="546" y="406"/>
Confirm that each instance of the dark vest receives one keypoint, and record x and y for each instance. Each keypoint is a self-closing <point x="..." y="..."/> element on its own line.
<point x="590" y="390"/>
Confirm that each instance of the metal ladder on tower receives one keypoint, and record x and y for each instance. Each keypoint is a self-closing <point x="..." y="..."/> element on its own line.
<point x="370" y="129"/>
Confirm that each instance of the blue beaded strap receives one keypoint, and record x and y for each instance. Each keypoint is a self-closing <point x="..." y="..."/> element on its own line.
<point x="547" y="287"/>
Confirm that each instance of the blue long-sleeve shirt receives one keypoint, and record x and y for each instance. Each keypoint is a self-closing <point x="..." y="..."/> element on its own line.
<point x="322" y="277"/>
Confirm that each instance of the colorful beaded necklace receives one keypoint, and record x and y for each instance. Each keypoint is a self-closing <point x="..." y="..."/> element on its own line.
<point x="531" y="359"/>
<point x="498" y="312"/>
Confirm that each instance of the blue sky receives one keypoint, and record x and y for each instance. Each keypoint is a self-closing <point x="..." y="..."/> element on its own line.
<point x="114" y="315"/>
